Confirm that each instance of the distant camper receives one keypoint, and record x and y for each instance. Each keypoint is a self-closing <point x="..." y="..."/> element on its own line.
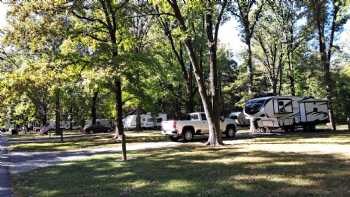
<point x="147" y="121"/>
<point x="286" y="112"/>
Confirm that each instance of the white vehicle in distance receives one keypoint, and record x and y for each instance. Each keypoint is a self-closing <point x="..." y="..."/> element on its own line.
<point x="239" y="118"/>
<point x="195" y="124"/>
<point x="147" y="121"/>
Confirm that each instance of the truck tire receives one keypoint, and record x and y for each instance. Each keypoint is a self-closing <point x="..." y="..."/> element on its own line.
<point x="231" y="131"/>
<point x="188" y="135"/>
<point x="173" y="138"/>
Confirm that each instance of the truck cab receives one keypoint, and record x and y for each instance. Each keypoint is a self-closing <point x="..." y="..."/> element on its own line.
<point x="195" y="124"/>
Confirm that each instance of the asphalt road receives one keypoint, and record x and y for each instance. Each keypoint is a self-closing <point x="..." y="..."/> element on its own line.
<point x="5" y="182"/>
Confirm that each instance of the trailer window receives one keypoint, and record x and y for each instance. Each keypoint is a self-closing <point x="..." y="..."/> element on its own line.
<point x="150" y="120"/>
<point x="285" y="106"/>
<point x="203" y="117"/>
<point x="253" y="106"/>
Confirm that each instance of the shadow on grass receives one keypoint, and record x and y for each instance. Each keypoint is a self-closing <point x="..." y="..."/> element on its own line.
<point x="191" y="171"/>
<point x="85" y="141"/>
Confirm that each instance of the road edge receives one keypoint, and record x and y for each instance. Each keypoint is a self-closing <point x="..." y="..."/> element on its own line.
<point x="5" y="181"/>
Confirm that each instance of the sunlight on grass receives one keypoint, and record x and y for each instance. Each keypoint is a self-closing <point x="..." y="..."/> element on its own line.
<point x="294" y="181"/>
<point x="177" y="186"/>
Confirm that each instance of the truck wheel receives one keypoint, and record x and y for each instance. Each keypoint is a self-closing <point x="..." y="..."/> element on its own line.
<point x="173" y="138"/>
<point x="231" y="132"/>
<point x="188" y="135"/>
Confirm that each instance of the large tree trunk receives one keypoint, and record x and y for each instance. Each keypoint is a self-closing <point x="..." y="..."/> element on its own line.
<point x="119" y="111"/>
<point x="291" y="75"/>
<point x="93" y="107"/>
<point x="214" y="130"/>
<point x="325" y="61"/>
<point x="58" y="129"/>
<point x="207" y="102"/>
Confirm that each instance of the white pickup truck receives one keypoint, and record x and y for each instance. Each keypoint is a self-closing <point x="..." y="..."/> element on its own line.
<point x="195" y="124"/>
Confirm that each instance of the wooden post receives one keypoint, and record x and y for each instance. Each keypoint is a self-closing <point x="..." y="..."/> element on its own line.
<point x="348" y="121"/>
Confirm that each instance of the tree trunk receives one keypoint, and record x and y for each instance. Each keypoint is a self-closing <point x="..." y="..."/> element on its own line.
<point x="119" y="111"/>
<point x="138" y="120"/>
<point x="189" y="92"/>
<point x="291" y="75"/>
<point x="212" y="117"/>
<point x="214" y="130"/>
<point x="58" y="129"/>
<point x="71" y="117"/>
<point x="274" y="85"/>
<point x="93" y="108"/>
<point x="250" y="71"/>
<point x="325" y="61"/>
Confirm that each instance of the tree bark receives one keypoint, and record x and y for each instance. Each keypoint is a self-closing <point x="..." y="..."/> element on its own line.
<point x="250" y="71"/>
<point x="138" y="120"/>
<point x="291" y="75"/>
<point x="58" y="129"/>
<point x="119" y="119"/>
<point x="215" y="134"/>
<point x="325" y="61"/>
<point x="93" y="108"/>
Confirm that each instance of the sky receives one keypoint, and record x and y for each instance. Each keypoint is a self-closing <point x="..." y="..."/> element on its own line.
<point x="229" y="35"/>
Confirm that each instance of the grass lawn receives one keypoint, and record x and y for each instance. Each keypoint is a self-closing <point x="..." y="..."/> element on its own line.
<point x="296" y="164"/>
<point x="72" y="142"/>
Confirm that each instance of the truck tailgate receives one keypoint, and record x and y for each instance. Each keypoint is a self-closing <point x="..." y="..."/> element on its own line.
<point x="169" y="125"/>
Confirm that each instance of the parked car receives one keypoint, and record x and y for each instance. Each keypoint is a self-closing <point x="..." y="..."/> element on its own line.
<point x="239" y="118"/>
<point x="13" y="131"/>
<point x="101" y="126"/>
<point x="195" y="124"/>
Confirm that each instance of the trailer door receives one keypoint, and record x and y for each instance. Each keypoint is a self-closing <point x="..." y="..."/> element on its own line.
<point x="302" y="112"/>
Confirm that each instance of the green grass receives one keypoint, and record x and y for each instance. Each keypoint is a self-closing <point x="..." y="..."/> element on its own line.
<point x="298" y="164"/>
<point x="85" y="141"/>
<point x="36" y="135"/>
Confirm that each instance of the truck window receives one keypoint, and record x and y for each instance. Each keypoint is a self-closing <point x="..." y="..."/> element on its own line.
<point x="194" y="117"/>
<point x="203" y="117"/>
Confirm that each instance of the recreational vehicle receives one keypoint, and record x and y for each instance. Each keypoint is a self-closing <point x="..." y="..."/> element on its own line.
<point x="286" y="112"/>
<point x="147" y="121"/>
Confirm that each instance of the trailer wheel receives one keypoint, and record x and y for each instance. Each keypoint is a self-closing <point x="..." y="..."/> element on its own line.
<point x="188" y="135"/>
<point x="231" y="131"/>
<point x="309" y="128"/>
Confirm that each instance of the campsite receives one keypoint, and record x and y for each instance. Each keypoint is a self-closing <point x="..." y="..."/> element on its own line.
<point x="174" y="98"/>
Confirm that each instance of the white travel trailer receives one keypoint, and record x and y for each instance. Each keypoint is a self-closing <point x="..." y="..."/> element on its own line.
<point x="286" y="112"/>
<point x="147" y="121"/>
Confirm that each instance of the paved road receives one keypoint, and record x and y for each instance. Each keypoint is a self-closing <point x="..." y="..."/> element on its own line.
<point x="27" y="161"/>
<point x="5" y="183"/>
